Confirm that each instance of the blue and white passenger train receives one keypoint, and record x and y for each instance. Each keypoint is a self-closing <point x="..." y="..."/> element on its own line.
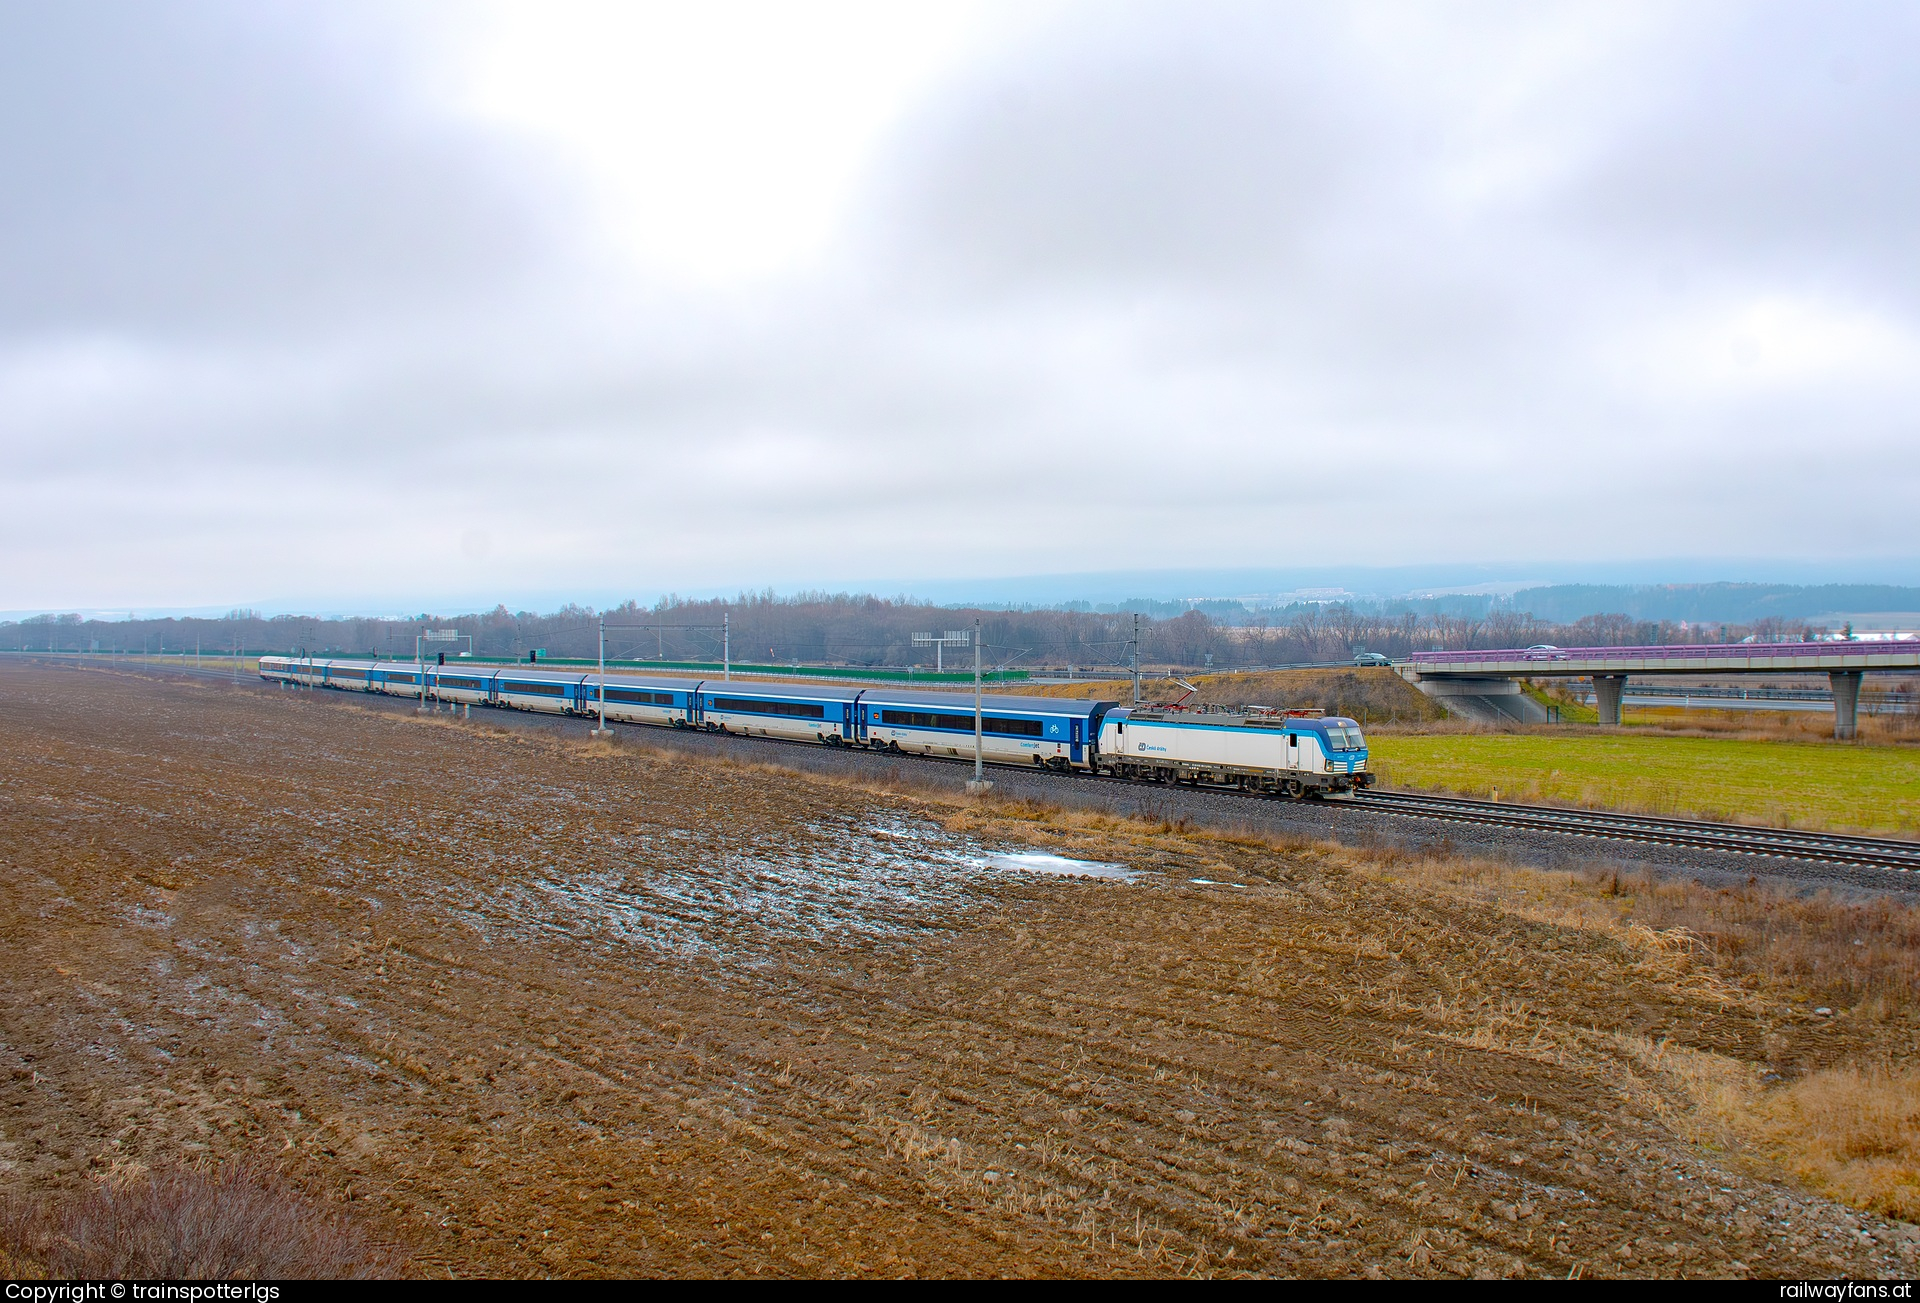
<point x="1295" y="753"/>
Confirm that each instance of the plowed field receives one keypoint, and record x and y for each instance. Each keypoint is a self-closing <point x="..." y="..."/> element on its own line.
<point x="535" y="1006"/>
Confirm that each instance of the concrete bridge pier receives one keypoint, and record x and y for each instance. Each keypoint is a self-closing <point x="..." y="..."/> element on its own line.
<point x="1846" y="703"/>
<point x="1489" y="700"/>
<point x="1607" y="691"/>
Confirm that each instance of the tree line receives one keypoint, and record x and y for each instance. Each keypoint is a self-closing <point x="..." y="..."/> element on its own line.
<point x="868" y="631"/>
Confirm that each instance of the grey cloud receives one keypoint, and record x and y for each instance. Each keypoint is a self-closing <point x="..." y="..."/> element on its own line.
<point x="213" y="167"/>
<point x="1136" y="146"/>
<point x="1220" y="284"/>
<point x="1782" y="143"/>
<point x="1258" y="190"/>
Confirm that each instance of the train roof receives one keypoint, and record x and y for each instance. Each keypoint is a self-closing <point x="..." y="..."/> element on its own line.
<point x="1070" y="706"/>
<point x="482" y="669"/>
<point x="1227" y="717"/>
<point x="636" y="681"/>
<point x="754" y="688"/>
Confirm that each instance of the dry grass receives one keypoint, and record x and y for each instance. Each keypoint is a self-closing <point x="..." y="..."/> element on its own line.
<point x="1851" y="1132"/>
<point x="238" y="1222"/>
<point x="1859" y="954"/>
<point x="1756" y="725"/>
<point x="1812" y="727"/>
<point x="1371" y="696"/>
<point x="1854" y="1132"/>
<point x="1771" y="725"/>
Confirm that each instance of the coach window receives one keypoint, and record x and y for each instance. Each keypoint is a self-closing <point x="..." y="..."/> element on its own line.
<point x="747" y="706"/>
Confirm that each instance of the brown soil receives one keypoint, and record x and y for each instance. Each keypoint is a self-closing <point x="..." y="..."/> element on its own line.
<point x="538" y="1006"/>
<point x="1373" y="695"/>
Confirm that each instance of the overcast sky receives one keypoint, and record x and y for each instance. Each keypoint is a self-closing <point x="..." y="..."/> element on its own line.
<point x="387" y="305"/>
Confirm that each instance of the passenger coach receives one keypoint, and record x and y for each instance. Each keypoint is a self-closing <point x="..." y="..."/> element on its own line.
<point x="800" y="712"/>
<point x="668" y="702"/>
<point x="564" y="693"/>
<point x="1055" y="732"/>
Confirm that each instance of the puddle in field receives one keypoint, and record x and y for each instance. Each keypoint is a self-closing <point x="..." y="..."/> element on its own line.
<point x="1061" y="866"/>
<point x="1020" y="861"/>
<point x="735" y="892"/>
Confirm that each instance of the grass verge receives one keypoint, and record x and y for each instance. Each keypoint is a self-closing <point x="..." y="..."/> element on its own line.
<point x="1789" y="785"/>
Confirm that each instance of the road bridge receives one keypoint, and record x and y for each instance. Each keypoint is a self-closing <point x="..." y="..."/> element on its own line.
<point x="1496" y="674"/>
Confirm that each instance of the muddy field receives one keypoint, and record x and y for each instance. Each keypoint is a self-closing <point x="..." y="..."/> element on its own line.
<point x="537" y="1006"/>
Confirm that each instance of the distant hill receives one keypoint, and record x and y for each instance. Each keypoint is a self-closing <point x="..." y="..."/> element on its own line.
<point x="1712" y="603"/>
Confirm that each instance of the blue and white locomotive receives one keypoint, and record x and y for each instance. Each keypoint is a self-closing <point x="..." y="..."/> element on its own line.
<point x="1285" y="753"/>
<point x="1295" y="754"/>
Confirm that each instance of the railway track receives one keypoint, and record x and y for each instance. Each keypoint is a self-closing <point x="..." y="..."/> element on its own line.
<point x="1739" y="839"/>
<point x="1731" y="838"/>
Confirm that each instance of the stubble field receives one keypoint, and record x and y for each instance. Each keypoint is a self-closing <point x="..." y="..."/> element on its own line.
<point x="530" y="1005"/>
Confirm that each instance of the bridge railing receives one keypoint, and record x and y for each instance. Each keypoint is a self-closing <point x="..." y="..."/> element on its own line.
<point x="1682" y="652"/>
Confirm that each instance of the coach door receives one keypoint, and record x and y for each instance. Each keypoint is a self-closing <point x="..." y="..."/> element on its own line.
<point x="1074" y="738"/>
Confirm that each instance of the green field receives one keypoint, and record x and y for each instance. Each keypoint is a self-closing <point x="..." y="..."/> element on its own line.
<point x="1786" y="784"/>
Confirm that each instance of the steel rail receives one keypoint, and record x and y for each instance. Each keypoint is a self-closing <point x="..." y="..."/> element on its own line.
<point x="1741" y="839"/>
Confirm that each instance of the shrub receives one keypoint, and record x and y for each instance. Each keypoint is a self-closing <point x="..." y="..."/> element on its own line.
<point x="241" y="1221"/>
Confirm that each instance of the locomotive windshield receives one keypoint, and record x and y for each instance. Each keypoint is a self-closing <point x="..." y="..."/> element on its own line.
<point x="1345" y="737"/>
